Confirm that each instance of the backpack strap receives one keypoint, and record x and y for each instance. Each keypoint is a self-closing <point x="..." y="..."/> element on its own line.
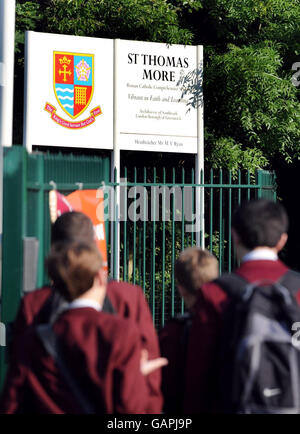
<point x="291" y="281"/>
<point x="47" y="309"/>
<point x="108" y="307"/>
<point x="50" y="342"/>
<point x="232" y="284"/>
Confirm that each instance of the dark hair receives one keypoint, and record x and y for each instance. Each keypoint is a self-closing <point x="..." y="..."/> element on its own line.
<point x="260" y="222"/>
<point x="72" y="226"/>
<point x="194" y="267"/>
<point x="72" y="266"/>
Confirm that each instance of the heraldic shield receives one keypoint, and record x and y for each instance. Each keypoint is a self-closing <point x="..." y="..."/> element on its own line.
<point x="73" y="80"/>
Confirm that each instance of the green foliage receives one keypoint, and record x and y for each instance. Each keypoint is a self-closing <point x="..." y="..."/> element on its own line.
<point x="28" y="14"/>
<point x="227" y="153"/>
<point x="250" y="21"/>
<point x="149" y="20"/>
<point x="251" y="107"/>
<point x="251" y="101"/>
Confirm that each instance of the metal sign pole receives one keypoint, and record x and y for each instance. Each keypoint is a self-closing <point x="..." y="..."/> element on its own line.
<point x="115" y="176"/>
<point x="200" y="155"/>
<point x="7" y="52"/>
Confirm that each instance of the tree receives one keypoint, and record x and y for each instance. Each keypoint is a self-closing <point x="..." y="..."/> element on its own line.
<point x="251" y="106"/>
<point x="252" y="103"/>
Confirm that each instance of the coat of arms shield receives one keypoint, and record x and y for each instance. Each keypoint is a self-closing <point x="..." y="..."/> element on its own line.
<point x="73" y="80"/>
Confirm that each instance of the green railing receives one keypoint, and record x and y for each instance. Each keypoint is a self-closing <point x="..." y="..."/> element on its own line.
<point x="148" y="247"/>
<point x="155" y="231"/>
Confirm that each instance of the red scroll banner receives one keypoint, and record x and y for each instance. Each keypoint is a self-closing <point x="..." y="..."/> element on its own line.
<point x="72" y="125"/>
<point x="89" y="202"/>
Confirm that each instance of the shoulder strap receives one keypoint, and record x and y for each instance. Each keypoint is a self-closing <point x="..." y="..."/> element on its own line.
<point x="50" y="307"/>
<point x="291" y="281"/>
<point x="107" y="306"/>
<point x="47" y="308"/>
<point x="232" y="284"/>
<point x="50" y="342"/>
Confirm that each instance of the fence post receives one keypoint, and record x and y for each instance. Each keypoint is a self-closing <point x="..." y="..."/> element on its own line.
<point x="40" y="217"/>
<point x="259" y="183"/>
<point x="14" y="230"/>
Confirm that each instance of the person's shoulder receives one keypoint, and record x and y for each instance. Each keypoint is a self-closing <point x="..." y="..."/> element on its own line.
<point x="116" y="323"/>
<point x="32" y="302"/>
<point x="38" y="295"/>
<point x="212" y="291"/>
<point x="85" y="321"/>
<point x="118" y="287"/>
<point x="124" y="292"/>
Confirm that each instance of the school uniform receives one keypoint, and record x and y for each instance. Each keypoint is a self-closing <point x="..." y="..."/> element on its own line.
<point x="102" y="352"/>
<point x="201" y="361"/>
<point x="127" y="300"/>
<point x="172" y="340"/>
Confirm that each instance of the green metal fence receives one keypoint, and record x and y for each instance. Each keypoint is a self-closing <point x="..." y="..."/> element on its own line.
<point x="148" y="247"/>
<point x="27" y="182"/>
<point x="150" y="241"/>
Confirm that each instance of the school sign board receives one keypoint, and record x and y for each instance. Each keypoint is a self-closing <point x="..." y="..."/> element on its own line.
<point x="152" y="114"/>
<point x="68" y="91"/>
<point x="110" y="94"/>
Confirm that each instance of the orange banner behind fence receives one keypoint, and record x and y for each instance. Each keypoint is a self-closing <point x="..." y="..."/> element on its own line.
<point x="89" y="202"/>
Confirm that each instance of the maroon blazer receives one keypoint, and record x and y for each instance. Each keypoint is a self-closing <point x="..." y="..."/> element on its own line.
<point x="129" y="302"/>
<point x="171" y="340"/>
<point x="102" y="352"/>
<point x="201" y="365"/>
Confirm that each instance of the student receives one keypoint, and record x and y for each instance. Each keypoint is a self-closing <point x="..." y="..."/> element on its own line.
<point x="193" y="268"/>
<point x="102" y="352"/>
<point x="259" y="232"/>
<point x="122" y="298"/>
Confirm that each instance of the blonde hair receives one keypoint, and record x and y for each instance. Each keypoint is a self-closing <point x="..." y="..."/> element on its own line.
<point x="72" y="266"/>
<point x="194" y="267"/>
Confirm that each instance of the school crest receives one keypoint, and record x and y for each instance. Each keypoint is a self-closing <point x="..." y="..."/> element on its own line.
<point x="73" y="83"/>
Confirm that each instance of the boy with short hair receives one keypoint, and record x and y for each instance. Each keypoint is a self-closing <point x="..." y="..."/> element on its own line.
<point x="122" y="298"/>
<point x="193" y="268"/>
<point x="259" y="233"/>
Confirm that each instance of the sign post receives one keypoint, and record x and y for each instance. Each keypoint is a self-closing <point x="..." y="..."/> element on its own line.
<point x="200" y="152"/>
<point x="115" y="176"/>
<point x="7" y="52"/>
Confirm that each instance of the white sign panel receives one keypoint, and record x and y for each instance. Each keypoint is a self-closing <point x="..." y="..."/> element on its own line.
<point x="69" y="91"/>
<point x="151" y="114"/>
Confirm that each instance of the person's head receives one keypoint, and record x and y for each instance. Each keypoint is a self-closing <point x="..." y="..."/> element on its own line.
<point x="76" y="270"/>
<point x="193" y="268"/>
<point x="72" y="226"/>
<point x="259" y="223"/>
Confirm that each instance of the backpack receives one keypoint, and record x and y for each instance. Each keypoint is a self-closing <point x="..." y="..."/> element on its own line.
<point x="260" y="362"/>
